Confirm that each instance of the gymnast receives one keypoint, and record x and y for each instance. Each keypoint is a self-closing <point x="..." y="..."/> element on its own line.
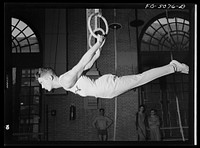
<point x="107" y="86"/>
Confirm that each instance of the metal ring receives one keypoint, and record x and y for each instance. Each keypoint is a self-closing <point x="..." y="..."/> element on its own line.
<point x="89" y="20"/>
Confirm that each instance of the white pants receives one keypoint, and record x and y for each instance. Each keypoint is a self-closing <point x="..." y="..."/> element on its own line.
<point x="110" y="86"/>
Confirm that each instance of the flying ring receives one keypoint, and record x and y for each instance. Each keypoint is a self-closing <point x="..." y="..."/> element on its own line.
<point x="89" y="27"/>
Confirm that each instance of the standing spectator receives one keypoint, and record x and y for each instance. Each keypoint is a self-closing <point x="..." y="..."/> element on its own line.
<point x="141" y="123"/>
<point x="154" y="126"/>
<point x="102" y="123"/>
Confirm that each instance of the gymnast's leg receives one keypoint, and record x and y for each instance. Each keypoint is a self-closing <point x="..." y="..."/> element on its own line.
<point x="125" y="83"/>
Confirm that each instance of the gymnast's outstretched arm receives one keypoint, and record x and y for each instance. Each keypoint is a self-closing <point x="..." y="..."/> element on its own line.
<point x="95" y="57"/>
<point x="70" y="77"/>
<point x="91" y="55"/>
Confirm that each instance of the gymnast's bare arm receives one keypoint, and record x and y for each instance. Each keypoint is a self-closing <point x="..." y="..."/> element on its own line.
<point x="95" y="57"/>
<point x="70" y="77"/>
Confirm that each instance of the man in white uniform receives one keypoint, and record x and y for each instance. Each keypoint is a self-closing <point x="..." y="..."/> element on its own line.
<point x="106" y="86"/>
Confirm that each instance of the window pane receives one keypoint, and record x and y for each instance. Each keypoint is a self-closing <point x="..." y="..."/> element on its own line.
<point x="36" y="118"/>
<point x="179" y="38"/>
<point x="186" y="28"/>
<point x="24" y="100"/>
<point x="175" y="38"/>
<point x="35" y="48"/>
<point x="163" y="21"/>
<point x="154" y="41"/>
<point x="150" y="30"/>
<point x="185" y="40"/>
<point x="179" y="20"/>
<point x="25" y="128"/>
<point x="171" y="20"/>
<point x="166" y="28"/>
<point x="35" y="90"/>
<point x="155" y="25"/>
<point x="25" y="82"/>
<point x="14" y="75"/>
<point x="25" y="49"/>
<point x="24" y="110"/>
<point x="161" y="31"/>
<point x="186" y="22"/>
<point x="179" y="26"/>
<point x="173" y="26"/>
<point x="33" y="71"/>
<point x="14" y="21"/>
<point x="153" y="48"/>
<point x="28" y="31"/>
<point x="157" y="35"/>
<point x="34" y="82"/>
<point x="34" y="110"/>
<point x="35" y="128"/>
<point x="15" y="32"/>
<point x="18" y="49"/>
<point x="32" y="40"/>
<point x="22" y="41"/>
<point x="36" y="99"/>
<point x="14" y="43"/>
<point x="26" y="72"/>
<point x="21" y="25"/>
<point x="164" y="48"/>
<point x="146" y="38"/>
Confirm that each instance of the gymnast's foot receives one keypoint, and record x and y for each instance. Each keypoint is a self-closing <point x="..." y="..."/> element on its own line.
<point x="180" y="67"/>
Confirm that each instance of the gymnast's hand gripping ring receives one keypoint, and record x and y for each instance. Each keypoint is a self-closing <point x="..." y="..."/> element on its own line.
<point x="92" y="33"/>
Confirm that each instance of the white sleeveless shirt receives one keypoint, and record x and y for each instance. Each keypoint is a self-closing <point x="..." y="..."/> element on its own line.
<point x="99" y="88"/>
<point x="83" y="87"/>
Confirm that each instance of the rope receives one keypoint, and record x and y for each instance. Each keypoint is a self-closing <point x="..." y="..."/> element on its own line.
<point x="179" y="117"/>
<point x="57" y="40"/>
<point x="178" y="110"/>
<point x="115" y="43"/>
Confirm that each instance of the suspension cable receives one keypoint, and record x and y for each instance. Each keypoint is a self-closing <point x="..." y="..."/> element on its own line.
<point x="175" y="89"/>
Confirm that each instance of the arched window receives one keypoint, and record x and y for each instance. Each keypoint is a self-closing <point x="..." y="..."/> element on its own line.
<point x="24" y="39"/>
<point x="156" y="36"/>
<point x="26" y="90"/>
<point x="160" y="38"/>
